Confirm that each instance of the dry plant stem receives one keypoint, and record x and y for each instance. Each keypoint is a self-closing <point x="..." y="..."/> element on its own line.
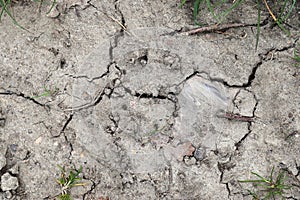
<point x="118" y="22"/>
<point x="270" y="11"/>
<point x="237" y="117"/>
<point x="216" y="27"/>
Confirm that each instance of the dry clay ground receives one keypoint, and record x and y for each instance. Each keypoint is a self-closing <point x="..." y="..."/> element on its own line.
<point x="143" y="110"/>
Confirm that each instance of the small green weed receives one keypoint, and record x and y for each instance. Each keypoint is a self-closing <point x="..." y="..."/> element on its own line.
<point x="221" y="9"/>
<point x="156" y="131"/>
<point x="46" y="93"/>
<point x="270" y="187"/>
<point x="67" y="181"/>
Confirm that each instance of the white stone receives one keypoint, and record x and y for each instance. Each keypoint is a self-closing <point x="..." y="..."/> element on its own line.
<point x="9" y="182"/>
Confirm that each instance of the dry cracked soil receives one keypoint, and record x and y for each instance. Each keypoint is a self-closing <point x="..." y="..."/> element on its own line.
<point x="149" y="112"/>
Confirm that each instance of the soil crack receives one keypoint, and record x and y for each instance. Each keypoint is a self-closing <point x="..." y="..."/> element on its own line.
<point x="93" y="186"/>
<point x="251" y="77"/>
<point x="66" y="124"/>
<point x="222" y="81"/>
<point x="170" y="96"/>
<point x="89" y="79"/>
<point x="222" y="167"/>
<point x="239" y="143"/>
<point x="106" y="90"/>
<point x="20" y="94"/>
<point x="118" y="10"/>
<point x="111" y="129"/>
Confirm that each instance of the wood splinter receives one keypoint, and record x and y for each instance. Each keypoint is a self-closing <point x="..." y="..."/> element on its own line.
<point x="216" y="27"/>
<point x="236" y="117"/>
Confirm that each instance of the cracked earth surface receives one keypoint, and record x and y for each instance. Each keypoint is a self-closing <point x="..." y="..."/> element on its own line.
<point x="149" y="112"/>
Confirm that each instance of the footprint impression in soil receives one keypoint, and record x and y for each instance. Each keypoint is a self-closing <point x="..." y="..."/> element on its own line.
<point x="144" y="99"/>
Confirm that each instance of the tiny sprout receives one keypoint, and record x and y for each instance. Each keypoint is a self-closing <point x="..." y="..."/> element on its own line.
<point x="67" y="181"/>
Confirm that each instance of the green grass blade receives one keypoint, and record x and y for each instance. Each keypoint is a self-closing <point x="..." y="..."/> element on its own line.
<point x="182" y="3"/>
<point x="253" y="194"/>
<point x="62" y="181"/>
<point x="62" y="169"/>
<point x="262" y="178"/>
<point x="284" y="187"/>
<point x="4" y="9"/>
<point x="290" y="10"/>
<point x="79" y="170"/>
<point x="52" y="6"/>
<point x="4" y="6"/>
<point x="196" y="10"/>
<point x="280" y="178"/>
<point x="279" y="20"/>
<point x="271" y="175"/>
<point x="269" y="195"/>
<point x="211" y="10"/>
<point x="297" y="57"/>
<point x="65" y="197"/>
<point x="229" y="10"/>
<point x="282" y="9"/>
<point x="218" y="4"/>
<point x="282" y="28"/>
<point x="252" y="181"/>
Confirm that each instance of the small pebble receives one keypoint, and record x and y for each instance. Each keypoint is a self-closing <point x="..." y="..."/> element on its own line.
<point x="107" y="91"/>
<point x="8" y="195"/>
<point x="14" y="169"/>
<point x="200" y="153"/>
<point x="143" y="62"/>
<point x="13" y="148"/>
<point x="189" y="160"/>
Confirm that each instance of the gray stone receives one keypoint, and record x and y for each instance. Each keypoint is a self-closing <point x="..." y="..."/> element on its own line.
<point x="200" y="153"/>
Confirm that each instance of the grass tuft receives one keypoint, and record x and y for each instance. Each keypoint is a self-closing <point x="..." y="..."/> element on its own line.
<point x="269" y="187"/>
<point x="283" y="10"/>
<point x="5" y="6"/>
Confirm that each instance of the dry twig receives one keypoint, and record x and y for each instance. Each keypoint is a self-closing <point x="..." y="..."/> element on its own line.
<point x="215" y="27"/>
